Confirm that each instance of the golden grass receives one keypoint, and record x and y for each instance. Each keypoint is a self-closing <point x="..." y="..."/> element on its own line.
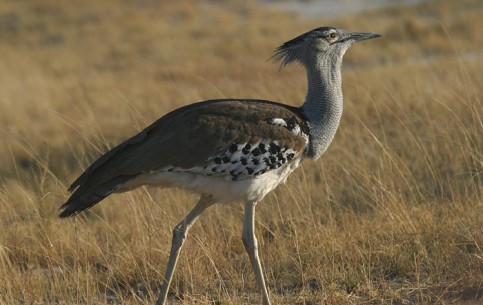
<point x="391" y="214"/>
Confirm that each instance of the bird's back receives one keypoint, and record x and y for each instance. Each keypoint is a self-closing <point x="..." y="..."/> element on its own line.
<point x="222" y="140"/>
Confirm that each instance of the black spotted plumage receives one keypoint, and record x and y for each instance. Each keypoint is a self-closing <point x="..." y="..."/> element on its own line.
<point x="233" y="148"/>
<point x="246" y="149"/>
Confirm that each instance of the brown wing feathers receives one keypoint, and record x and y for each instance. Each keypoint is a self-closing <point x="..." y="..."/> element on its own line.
<point x="184" y="138"/>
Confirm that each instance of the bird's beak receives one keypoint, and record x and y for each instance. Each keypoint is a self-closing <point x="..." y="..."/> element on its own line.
<point x="363" y="36"/>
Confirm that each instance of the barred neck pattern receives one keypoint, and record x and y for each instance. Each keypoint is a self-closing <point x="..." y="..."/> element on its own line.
<point x="323" y="103"/>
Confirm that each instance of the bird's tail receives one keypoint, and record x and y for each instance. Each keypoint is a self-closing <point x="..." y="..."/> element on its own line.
<point x="87" y="195"/>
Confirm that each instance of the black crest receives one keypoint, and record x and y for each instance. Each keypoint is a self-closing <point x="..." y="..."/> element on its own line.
<point x="288" y="51"/>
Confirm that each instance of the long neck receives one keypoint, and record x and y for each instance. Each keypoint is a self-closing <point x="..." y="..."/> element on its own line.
<point x="324" y="102"/>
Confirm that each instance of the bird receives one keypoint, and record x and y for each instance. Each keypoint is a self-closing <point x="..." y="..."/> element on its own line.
<point x="229" y="150"/>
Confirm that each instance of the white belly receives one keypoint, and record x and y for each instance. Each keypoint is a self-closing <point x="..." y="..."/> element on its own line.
<point x="222" y="190"/>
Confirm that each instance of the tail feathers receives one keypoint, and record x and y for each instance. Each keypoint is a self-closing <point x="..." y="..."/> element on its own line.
<point x="86" y="196"/>
<point x="74" y="207"/>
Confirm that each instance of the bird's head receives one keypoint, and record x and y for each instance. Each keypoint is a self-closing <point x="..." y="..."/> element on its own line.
<point x="327" y="41"/>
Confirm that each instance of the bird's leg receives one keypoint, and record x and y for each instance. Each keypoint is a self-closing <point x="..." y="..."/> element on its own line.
<point x="251" y="245"/>
<point x="179" y="236"/>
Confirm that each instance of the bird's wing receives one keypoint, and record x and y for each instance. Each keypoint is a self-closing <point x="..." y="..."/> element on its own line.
<point x="205" y="138"/>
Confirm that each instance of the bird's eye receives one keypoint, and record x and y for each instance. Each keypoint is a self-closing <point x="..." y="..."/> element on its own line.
<point x="332" y="35"/>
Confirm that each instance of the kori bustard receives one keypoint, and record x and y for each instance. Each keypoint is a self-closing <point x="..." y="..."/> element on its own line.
<point x="229" y="150"/>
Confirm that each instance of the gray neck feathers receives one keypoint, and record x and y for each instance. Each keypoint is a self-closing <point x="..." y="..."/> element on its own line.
<point x="324" y="102"/>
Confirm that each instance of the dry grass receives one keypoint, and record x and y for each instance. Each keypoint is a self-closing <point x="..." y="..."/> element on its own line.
<point x="392" y="214"/>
